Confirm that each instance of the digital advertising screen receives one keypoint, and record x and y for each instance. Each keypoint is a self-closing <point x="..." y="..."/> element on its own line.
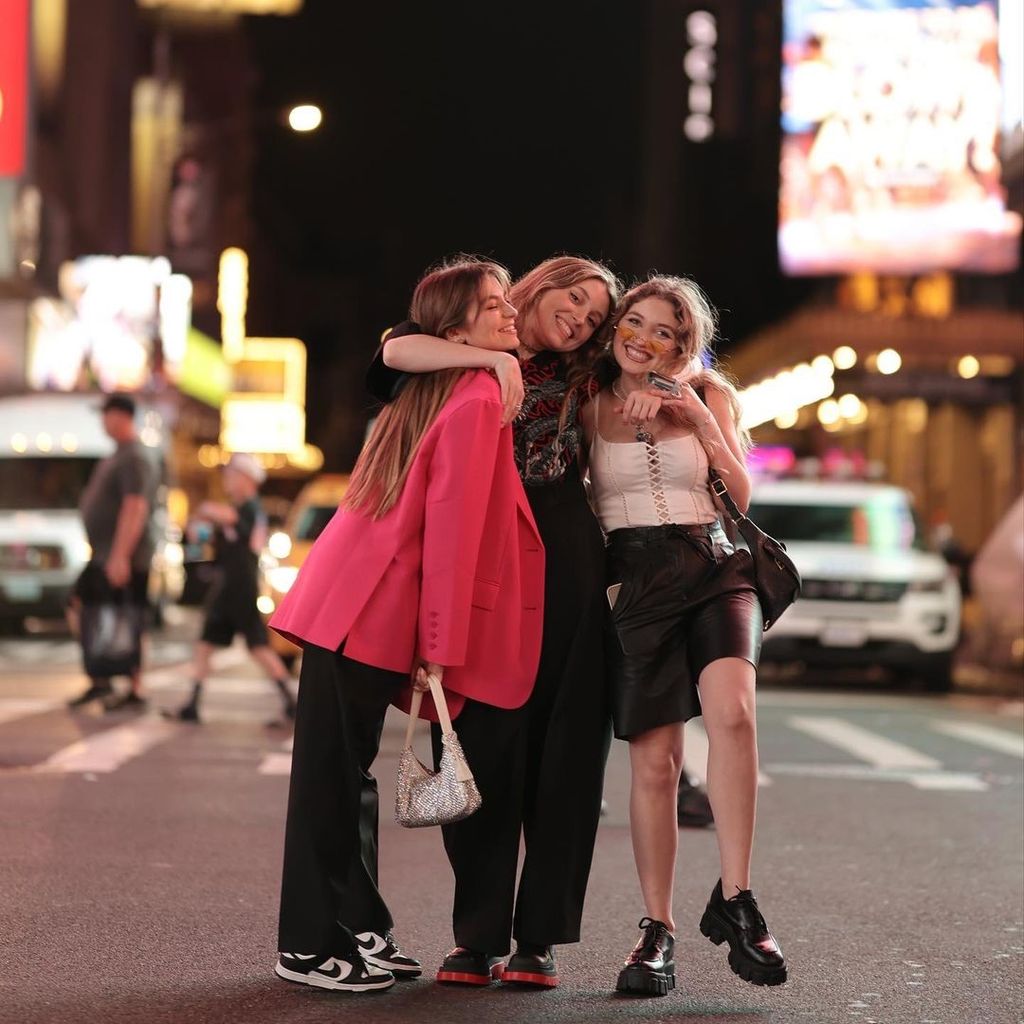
<point x="891" y="138"/>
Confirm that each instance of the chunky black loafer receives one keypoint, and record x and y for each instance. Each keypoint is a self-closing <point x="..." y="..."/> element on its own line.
<point x="753" y="952"/>
<point x="650" y="970"/>
<point x="531" y="965"/>
<point x="468" y="967"/>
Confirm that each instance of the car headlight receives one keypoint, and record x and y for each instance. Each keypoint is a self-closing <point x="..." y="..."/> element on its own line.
<point x="282" y="578"/>
<point x="933" y="586"/>
<point x="280" y="545"/>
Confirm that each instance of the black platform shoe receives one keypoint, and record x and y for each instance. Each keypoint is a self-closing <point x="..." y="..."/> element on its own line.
<point x="468" y="967"/>
<point x="753" y="952"/>
<point x="650" y="970"/>
<point x="531" y="965"/>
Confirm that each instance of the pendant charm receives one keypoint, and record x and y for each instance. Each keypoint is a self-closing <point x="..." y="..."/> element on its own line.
<point x="644" y="436"/>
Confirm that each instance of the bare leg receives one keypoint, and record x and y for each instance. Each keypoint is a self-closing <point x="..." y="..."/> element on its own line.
<point x="201" y="657"/>
<point x="268" y="659"/>
<point x="657" y="759"/>
<point x="727" y="701"/>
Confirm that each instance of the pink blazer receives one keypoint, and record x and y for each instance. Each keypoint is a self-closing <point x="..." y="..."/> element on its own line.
<point x="454" y="571"/>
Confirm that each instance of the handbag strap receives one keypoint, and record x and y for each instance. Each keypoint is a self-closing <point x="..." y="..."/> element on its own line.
<point x="437" y="692"/>
<point x="719" y="489"/>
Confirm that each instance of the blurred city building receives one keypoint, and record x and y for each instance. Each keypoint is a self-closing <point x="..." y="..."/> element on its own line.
<point x="126" y="148"/>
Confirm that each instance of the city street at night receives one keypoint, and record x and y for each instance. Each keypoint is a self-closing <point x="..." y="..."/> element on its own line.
<point x="142" y="865"/>
<point x="646" y="368"/>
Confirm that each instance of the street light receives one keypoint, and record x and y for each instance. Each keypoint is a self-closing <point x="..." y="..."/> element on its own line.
<point x="306" y="117"/>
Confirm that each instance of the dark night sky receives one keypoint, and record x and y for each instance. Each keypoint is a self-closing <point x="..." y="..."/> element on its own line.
<point x="512" y="130"/>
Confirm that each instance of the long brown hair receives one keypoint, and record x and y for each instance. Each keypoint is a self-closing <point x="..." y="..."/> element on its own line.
<point x="563" y="272"/>
<point x="695" y="333"/>
<point x="441" y="303"/>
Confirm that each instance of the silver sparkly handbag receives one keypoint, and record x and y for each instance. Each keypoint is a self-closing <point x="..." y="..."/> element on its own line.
<point x="423" y="797"/>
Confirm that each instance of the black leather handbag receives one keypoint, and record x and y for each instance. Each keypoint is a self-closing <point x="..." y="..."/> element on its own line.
<point x="776" y="577"/>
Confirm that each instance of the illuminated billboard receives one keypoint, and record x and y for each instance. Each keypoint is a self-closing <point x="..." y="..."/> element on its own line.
<point x="890" y="139"/>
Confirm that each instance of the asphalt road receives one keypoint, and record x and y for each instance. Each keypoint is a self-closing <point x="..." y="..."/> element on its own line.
<point x="140" y="867"/>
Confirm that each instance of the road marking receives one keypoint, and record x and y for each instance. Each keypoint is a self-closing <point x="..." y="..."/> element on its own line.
<point x="865" y="745"/>
<point x="278" y="762"/>
<point x="983" y="736"/>
<point x="695" y="754"/>
<point x="11" y="710"/>
<point x="967" y="782"/>
<point x="106" y="751"/>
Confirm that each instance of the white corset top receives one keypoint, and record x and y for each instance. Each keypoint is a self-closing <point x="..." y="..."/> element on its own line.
<point x="638" y="484"/>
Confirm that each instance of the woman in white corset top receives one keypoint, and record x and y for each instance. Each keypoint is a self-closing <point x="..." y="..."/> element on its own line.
<point x="686" y="623"/>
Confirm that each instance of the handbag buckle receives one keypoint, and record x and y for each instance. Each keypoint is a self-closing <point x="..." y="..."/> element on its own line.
<point x="718" y="487"/>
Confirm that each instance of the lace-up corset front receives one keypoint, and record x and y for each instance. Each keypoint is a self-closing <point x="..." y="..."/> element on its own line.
<point x="639" y="483"/>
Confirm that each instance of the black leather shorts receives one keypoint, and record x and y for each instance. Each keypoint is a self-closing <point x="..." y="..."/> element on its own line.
<point x="682" y="597"/>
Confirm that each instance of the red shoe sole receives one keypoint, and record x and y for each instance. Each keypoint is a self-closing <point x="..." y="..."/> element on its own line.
<point x="526" y="978"/>
<point x="461" y="978"/>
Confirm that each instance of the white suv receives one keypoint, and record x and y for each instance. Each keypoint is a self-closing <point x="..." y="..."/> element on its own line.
<point x="872" y="595"/>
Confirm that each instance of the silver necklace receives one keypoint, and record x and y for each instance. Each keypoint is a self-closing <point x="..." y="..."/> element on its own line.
<point x="643" y="435"/>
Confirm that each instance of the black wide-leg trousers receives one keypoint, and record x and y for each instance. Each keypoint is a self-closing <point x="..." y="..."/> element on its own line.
<point x="329" y="883"/>
<point x="540" y="768"/>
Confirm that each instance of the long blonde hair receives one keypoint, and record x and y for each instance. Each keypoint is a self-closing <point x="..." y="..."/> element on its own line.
<point x="563" y="272"/>
<point x="441" y="302"/>
<point x="695" y="332"/>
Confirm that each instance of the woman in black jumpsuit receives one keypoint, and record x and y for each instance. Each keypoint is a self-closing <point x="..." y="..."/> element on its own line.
<point x="540" y="769"/>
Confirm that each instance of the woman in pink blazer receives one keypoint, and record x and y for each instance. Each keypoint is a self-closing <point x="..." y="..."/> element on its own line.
<point x="433" y="561"/>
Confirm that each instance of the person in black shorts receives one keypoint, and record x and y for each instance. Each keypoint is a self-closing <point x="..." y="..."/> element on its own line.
<point x="239" y="533"/>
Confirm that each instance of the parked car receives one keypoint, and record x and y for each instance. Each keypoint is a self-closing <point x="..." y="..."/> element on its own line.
<point x="872" y="594"/>
<point x="287" y="548"/>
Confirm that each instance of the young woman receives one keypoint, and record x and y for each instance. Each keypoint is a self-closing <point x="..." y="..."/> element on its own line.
<point x="687" y="624"/>
<point x="433" y="560"/>
<point x="540" y="770"/>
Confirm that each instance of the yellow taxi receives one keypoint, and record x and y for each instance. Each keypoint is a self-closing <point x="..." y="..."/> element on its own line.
<point x="287" y="548"/>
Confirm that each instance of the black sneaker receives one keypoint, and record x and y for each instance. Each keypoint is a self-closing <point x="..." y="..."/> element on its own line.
<point x="753" y="952"/>
<point x="186" y="713"/>
<point x="347" y="973"/>
<point x="95" y="691"/>
<point x="531" y="965"/>
<point x="693" y="809"/>
<point x="382" y="951"/>
<point x="650" y="969"/>
<point x="467" y="967"/>
<point x="126" y="702"/>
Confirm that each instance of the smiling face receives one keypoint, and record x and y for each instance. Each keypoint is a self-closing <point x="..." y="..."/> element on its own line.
<point x="491" y="321"/>
<point x="646" y="338"/>
<point x="563" y="319"/>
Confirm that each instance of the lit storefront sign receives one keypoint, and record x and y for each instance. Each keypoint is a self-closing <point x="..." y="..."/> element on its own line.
<point x="699" y="66"/>
<point x="891" y="136"/>
<point x="227" y="6"/>
<point x="266" y="411"/>
<point x="114" y="314"/>
<point x="13" y="85"/>
<point x="783" y="394"/>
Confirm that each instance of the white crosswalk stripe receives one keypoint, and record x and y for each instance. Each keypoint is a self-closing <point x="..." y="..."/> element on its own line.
<point x="888" y="760"/>
<point x="14" y="708"/>
<point x="230" y="700"/>
<point x="983" y="736"/>
<point x="863" y="744"/>
<point x="278" y="762"/>
<point x="106" y="751"/>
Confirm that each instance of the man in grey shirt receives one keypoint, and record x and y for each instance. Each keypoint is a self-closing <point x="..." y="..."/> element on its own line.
<point x="116" y="508"/>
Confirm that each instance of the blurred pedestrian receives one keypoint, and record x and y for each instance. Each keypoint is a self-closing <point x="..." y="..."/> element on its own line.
<point x="117" y="508"/>
<point x="540" y="771"/>
<point x="693" y="809"/>
<point x="687" y="623"/>
<point x="432" y="564"/>
<point x="239" y="531"/>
